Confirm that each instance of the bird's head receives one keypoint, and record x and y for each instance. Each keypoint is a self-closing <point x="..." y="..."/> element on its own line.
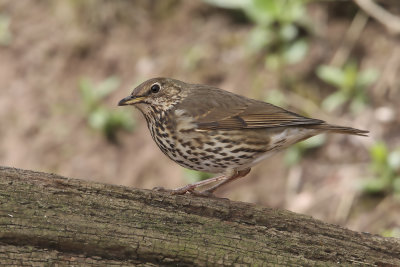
<point x="157" y="93"/>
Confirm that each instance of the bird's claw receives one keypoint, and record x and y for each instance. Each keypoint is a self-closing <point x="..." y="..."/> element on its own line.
<point x="160" y="189"/>
<point x="186" y="190"/>
<point x="179" y="191"/>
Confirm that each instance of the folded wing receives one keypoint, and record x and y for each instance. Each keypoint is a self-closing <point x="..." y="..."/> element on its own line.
<point x="228" y="111"/>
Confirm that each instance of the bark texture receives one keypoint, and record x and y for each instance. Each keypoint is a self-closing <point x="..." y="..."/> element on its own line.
<point x="46" y="219"/>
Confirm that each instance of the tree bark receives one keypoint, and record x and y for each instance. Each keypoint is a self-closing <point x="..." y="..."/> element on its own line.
<point x="47" y="219"/>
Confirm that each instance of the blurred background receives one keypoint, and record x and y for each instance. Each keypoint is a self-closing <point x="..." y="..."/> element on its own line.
<point x="64" y="65"/>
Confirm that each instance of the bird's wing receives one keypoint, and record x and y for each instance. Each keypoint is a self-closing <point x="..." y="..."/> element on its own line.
<point x="213" y="108"/>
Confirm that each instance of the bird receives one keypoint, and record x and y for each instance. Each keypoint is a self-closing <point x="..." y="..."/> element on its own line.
<point x="212" y="130"/>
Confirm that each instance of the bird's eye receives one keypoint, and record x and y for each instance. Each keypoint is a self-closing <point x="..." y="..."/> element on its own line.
<point x="155" y="88"/>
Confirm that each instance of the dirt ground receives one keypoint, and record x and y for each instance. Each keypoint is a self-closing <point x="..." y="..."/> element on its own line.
<point x="54" y="44"/>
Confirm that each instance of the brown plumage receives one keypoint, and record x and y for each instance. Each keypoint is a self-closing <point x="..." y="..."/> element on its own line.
<point x="209" y="129"/>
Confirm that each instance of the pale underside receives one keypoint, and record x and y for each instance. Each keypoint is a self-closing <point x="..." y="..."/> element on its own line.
<point x="221" y="151"/>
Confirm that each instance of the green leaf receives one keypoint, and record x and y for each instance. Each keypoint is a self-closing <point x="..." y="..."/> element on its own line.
<point x="107" y="86"/>
<point x="230" y="4"/>
<point x="313" y="142"/>
<point x="260" y="16"/>
<point x="375" y="186"/>
<point x="269" y="7"/>
<point x="394" y="160"/>
<point x="367" y="77"/>
<point x="358" y="104"/>
<point x="379" y="153"/>
<point x="396" y="185"/>
<point x="291" y="11"/>
<point x="333" y="101"/>
<point x="259" y="38"/>
<point x="98" y="118"/>
<point x="350" y="72"/>
<point x="296" y="52"/>
<point x="288" y="32"/>
<point x="87" y="93"/>
<point x="331" y="75"/>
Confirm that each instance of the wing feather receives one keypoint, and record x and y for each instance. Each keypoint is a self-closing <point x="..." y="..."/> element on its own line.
<point x="229" y="111"/>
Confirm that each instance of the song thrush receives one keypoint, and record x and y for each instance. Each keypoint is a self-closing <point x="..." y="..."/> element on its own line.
<point x="208" y="129"/>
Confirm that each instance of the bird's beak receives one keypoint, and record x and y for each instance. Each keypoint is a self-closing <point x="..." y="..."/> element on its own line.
<point x="130" y="100"/>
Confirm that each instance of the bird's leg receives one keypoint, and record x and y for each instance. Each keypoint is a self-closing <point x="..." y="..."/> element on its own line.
<point x="228" y="179"/>
<point x="192" y="187"/>
<point x="222" y="179"/>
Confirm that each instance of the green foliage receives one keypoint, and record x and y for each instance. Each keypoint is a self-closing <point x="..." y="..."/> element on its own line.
<point x="194" y="176"/>
<point x="296" y="152"/>
<point x="5" y="34"/>
<point x="350" y="83"/>
<point x="278" y="30"/>
<point x="393" y="232"/>
<point x="100" y="117"/>
<point x="276" y="97"/>
<point x="385" y="166"/>
<point x="278" y="25"/>
<point x="231" y="4"/>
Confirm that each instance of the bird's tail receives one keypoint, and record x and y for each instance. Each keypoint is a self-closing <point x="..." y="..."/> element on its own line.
<point x="340" y="129"/>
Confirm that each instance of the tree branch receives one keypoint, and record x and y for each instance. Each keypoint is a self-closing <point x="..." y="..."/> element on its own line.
<point x="49" y="219"/>
<point x="390" y="21"/>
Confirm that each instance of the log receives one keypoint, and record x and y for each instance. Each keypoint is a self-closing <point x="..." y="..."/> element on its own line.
<point x="46" y="219"/>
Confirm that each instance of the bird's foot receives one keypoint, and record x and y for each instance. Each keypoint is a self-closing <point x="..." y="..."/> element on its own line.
<point x="204" y="193"/>
<point x="160" y="189"/>
<point x="189" y="189"/>
<point x="178" y="191"/>
<point x="183" y="190"/>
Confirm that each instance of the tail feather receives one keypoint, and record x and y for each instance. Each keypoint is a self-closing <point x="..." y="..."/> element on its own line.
<point x="340" y="129"/>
